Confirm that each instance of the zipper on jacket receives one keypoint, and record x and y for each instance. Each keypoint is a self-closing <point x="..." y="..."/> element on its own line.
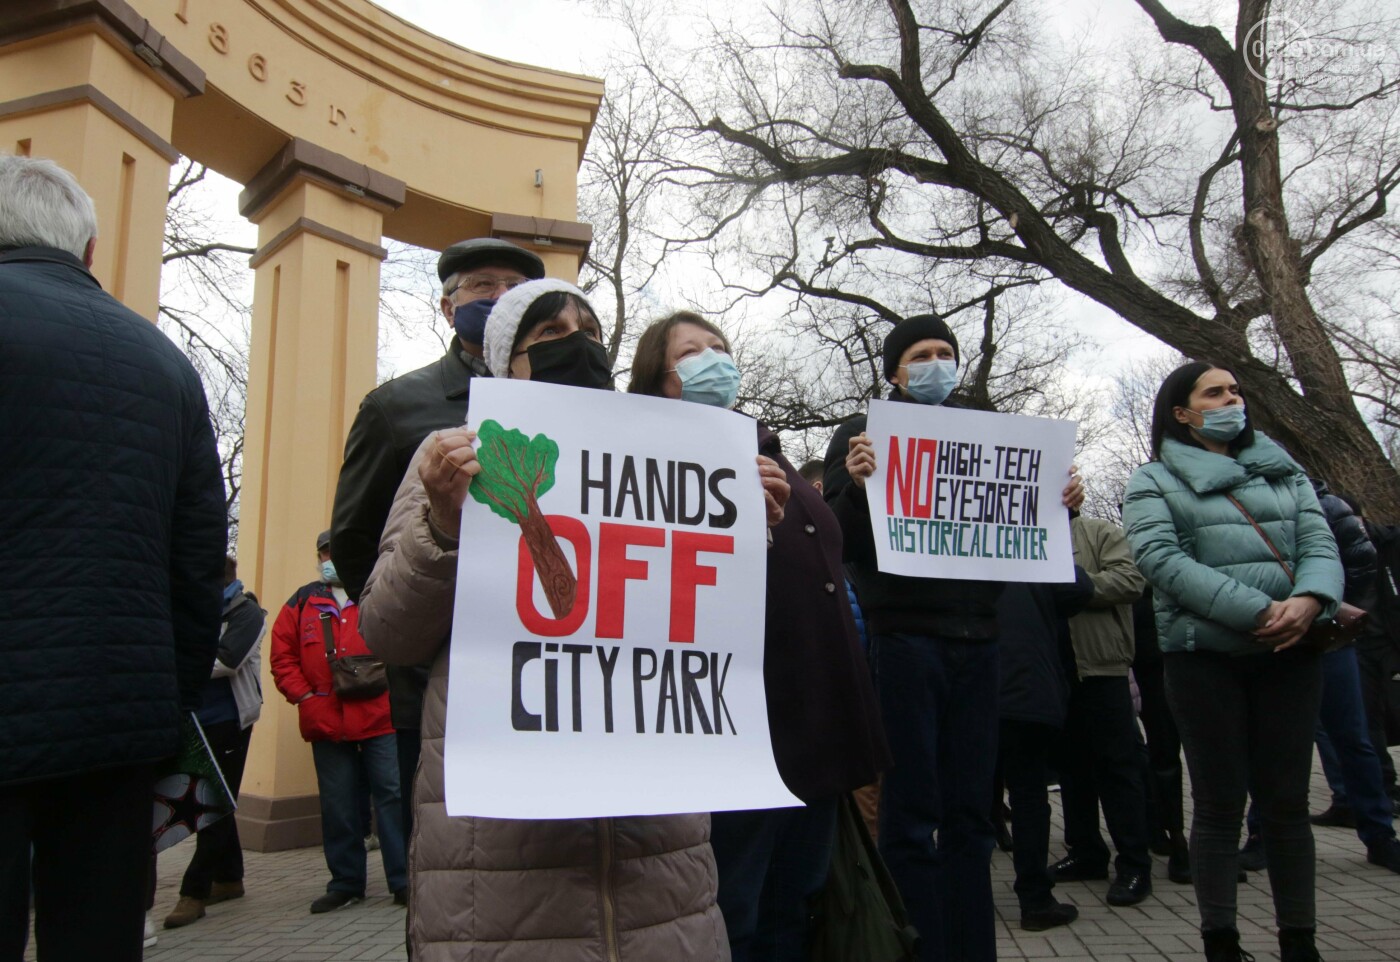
<point x="606" y="857"/>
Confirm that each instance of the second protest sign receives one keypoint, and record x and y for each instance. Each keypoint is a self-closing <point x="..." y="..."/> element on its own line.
<point x="969" y="495"/>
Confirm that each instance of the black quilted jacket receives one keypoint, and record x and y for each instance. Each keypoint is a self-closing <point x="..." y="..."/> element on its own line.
<point x="1353" y="545"/>
<point x="393" y="420"/>
<point x="112" y="529"/>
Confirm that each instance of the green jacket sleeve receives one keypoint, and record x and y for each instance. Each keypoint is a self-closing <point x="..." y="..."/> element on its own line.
<point x="1117" y="580"/>
<point x="1200" y="589"/>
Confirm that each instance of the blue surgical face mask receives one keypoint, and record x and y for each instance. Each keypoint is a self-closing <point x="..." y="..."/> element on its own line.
<point x="470" y="320"/>
<point x="1221" y="424"/>
<point x="930" y="382"/>
<point x="328" y="573"/>
<point x="710" y="377"/>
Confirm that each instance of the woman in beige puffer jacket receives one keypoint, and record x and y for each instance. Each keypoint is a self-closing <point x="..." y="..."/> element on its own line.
<point x="636" y="889"/>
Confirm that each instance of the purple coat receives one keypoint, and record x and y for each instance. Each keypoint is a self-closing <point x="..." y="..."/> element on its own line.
<point x="822" y="712"/>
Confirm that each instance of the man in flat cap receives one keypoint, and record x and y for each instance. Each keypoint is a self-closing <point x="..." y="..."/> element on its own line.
<point x="394" y="419"/>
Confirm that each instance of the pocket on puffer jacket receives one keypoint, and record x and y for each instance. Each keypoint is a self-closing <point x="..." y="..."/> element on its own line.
<point x="319" y="719"/>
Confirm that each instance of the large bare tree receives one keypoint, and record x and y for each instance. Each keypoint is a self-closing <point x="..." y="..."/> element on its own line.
<point x="1222" y="186"/>
<point x="808" y="344"/>
<point x="618" y="195"/>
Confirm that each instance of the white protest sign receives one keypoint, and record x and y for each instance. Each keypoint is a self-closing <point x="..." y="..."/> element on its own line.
<point x="969" y="495"/>
<point x="607" y="643"/>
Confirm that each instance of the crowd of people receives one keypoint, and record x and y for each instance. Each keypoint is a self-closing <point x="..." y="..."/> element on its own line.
<point x="1196" y="617"/>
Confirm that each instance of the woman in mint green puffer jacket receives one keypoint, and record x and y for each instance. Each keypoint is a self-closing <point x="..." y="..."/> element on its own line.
<point x="1243" y="691"/>
<point x="1213" y="574"/>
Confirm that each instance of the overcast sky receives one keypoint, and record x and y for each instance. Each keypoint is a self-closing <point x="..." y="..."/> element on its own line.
<point x="565" y="35"/>
<point x="546" y="33"/>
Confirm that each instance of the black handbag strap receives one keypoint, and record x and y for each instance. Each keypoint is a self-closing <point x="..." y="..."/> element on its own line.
<point x="1249" y="517"/>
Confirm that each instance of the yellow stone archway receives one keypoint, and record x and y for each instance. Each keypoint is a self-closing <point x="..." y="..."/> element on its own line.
<point x="346" y="125"/>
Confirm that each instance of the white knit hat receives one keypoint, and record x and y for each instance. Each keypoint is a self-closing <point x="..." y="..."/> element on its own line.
<point x="504" y="319"/>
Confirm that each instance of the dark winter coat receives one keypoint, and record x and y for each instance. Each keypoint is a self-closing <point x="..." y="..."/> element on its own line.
<point x="1032" y="620"/>
<point x="1354" y="547"/>
<point x="822" y="713"/>
<point x="392" y="421"/>
<point x="112" y="527"/>
<point x="926" y="606"/>
<point x="1360" y="564"/>
<point x="1146" y="655"/>
<point x="1386" y="617"/>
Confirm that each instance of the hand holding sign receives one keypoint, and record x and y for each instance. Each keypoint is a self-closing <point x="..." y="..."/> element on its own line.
<point x="447" y="473"/>
<point x="1073" y="494"/>
<point x="776" y="490"/>
<point x="860" y="459"/>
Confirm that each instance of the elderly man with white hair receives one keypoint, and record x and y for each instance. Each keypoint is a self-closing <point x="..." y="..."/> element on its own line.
<point x="112" y="539"/>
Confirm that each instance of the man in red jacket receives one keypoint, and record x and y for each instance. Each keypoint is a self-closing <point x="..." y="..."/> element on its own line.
<point x="347" y="736"/>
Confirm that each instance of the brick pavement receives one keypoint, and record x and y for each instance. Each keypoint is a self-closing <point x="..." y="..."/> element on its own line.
<point x="1358" y="914"/>
<point x="1358" y="909"/>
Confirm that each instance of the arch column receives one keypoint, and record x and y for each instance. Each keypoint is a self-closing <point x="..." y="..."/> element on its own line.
<point x="320" y="220"/>
<point x="94" y="87"/>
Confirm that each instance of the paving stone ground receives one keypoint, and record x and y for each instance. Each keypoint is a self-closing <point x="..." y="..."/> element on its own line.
<point x="1358" y="913"/>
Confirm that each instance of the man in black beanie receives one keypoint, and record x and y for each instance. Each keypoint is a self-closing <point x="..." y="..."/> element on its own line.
<point x="912" y="330"/>
<point x="933" y="642"/>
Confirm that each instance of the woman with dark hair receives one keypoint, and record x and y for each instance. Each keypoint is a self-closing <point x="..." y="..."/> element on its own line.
<point x="1205" y="518"/>
<point x="546" y="332"/>
<point x="822" y="715"/>
<point x="489" y="889"/>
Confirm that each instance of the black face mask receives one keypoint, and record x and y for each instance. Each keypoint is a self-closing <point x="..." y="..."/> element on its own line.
<point x="575" y="361"/>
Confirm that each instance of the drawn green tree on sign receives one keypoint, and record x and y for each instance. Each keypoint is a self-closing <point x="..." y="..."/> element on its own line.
<point x="515" y="472"/>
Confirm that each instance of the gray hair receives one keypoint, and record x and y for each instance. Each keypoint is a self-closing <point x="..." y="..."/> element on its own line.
<point x="42" y="205"/>
<point x="450" y="285"/>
